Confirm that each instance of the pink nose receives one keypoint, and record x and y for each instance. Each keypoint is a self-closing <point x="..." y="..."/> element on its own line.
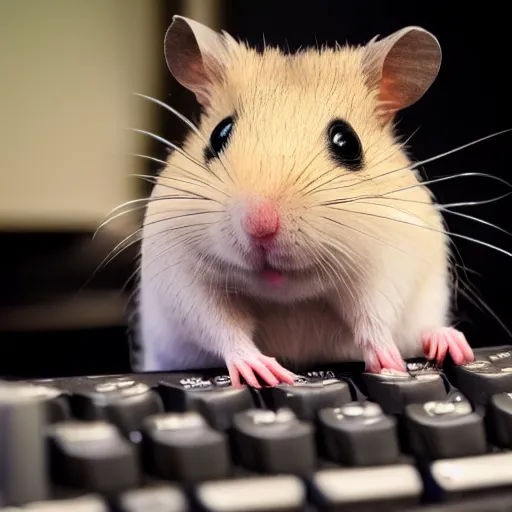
<point x="261" y="219"/>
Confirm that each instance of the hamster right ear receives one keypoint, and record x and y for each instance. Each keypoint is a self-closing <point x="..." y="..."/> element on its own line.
<point x="196" y="56"/>
<point x="402" y="67"/>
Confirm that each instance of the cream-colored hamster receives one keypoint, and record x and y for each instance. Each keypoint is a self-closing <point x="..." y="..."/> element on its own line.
<point x="290" y="226"/>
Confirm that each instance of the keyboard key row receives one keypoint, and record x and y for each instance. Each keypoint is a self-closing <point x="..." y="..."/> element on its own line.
<point x="120" y="434"/>
<point x="457" y="485"/>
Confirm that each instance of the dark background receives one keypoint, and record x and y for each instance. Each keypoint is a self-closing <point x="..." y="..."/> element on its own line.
<point x="470" y="99"/>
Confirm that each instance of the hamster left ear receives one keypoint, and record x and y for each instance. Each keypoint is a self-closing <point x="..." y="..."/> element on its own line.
<point x="402" y="67"/>
<point x="196" y="55"/>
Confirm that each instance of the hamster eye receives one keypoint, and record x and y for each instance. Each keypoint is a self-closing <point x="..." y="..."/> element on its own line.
<point x="344" y="145"/>
<point x="219" y="138"/>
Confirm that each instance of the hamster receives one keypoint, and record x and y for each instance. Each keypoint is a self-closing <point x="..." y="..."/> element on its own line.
<point x="290" y="228"/>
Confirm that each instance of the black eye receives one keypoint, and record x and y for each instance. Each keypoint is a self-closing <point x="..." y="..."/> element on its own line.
<point x="344" y="145"/>
<point x="219" y="138"/>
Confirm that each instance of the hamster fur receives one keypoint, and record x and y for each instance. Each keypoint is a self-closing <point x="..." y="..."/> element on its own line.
<point x="274" y="250"/>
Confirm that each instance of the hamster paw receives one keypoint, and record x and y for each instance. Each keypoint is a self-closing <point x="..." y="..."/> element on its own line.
<point x="267" y="368"/>
<point x="378" y="359"/>
<point x="439" y="342"/>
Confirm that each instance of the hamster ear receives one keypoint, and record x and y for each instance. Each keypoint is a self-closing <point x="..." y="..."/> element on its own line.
<point x="402" y="67"/>
<point x="196" y="56"/>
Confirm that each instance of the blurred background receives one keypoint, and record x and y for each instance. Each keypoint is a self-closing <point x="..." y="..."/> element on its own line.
<point x="68" y="71"/>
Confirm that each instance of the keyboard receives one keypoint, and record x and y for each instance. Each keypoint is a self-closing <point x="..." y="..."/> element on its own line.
<point x="431" y="439"/>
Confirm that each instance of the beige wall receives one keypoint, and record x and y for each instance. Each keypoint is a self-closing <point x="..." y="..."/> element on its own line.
<point x="68" y="68"/>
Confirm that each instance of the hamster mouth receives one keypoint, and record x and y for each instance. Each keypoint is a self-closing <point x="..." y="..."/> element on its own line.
<point x="272" y="276"/>
<point x="276" y="277"/>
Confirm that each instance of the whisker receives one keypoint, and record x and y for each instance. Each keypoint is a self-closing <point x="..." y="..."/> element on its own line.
<point x="362" y="232"/>
<point x="163" y="162"/>
<point x="157" y="180"/>
<point x="407" y="212"/>
<point x="415" y="165"/>
<point x="180" y="116"/>
<point x="357" y="269"/>
<point x="470" y="270"/>
<point x="348" y="178"/>
<point x="422" y="184"/>
<point x="187" y="121"/>
<point x="132" y="239"/>
<point x="447" y="178"/>
<point x="459" y="214"/>
<point x="306" y="167"/>
<point x="475" y="203"/>
<point x="188" y="214"/>
<point x="399" y="147"/>
<point x="460" y="148"/>
<point x="325" y="264"/>
<point x="448" y="205"/>
<point x="170" y="164"/>
<point x="476" y="219"/>
<point x="145" y="202"/>
<point x="175" y="147"/>
<point x="447" y="233"/>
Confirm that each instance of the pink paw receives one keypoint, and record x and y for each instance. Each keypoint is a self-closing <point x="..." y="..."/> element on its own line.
<point x="437" y="343"/>
<point x="267" y="368"/>
<point x="383" y="358"/>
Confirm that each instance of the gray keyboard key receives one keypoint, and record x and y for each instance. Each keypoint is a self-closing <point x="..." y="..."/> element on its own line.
<point x="274" y="442"/>
<point x="153" y="499"/>
<point x="308" y="395"/>
<point x="88" y="503"/>
<point x="182" y="446"/>
<point x="261" y="494"/>
<point x="499" y="415"/>
<point x="358" y="434"/>
<point x="393" y="391"/>
<point x="92" y="456"/>
<point x="23" y="460"/>
<point x="456" y="478"/>
<point x="445" y="429"/>
<point x="386" y="488"/>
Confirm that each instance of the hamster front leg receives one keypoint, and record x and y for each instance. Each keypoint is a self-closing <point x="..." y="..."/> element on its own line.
<point x="371" y="323"/>
<point x="374" y="339"/>
<point x="219" y="325"/>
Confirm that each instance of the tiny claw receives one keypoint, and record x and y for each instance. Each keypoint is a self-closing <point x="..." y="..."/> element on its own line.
<point x="267" y="368"/>
<point x="439" y="342"/>
<point x="378" y="359"/>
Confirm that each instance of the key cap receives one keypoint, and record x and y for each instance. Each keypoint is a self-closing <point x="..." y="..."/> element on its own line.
<point x="122" y="401"/>
<point x="393" y="391"/>
<point x="385" y="488"/>
<point x="23" y="460"/>
<point x="55" y="400"/>
<point x="92" y="456"/>
<point x="358" y="434"/>
<point x="277" y="493"/>
<point x="454" y="479"/>
<point x="82" y="504"/>
<point x="182" y="446"/>
<point x="309" y="394"/>
<point x="445" y="429"/>
<point x="480" y="380"/>
<point x="500" y="419"/>
<point x="274" y="442"/>
<point x="214" y="398"/>
<point x="153" y="499"/>
<point x="501" y="353"/>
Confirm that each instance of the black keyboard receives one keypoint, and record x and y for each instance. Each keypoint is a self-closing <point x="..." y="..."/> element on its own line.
<point x="340" y="439"/>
